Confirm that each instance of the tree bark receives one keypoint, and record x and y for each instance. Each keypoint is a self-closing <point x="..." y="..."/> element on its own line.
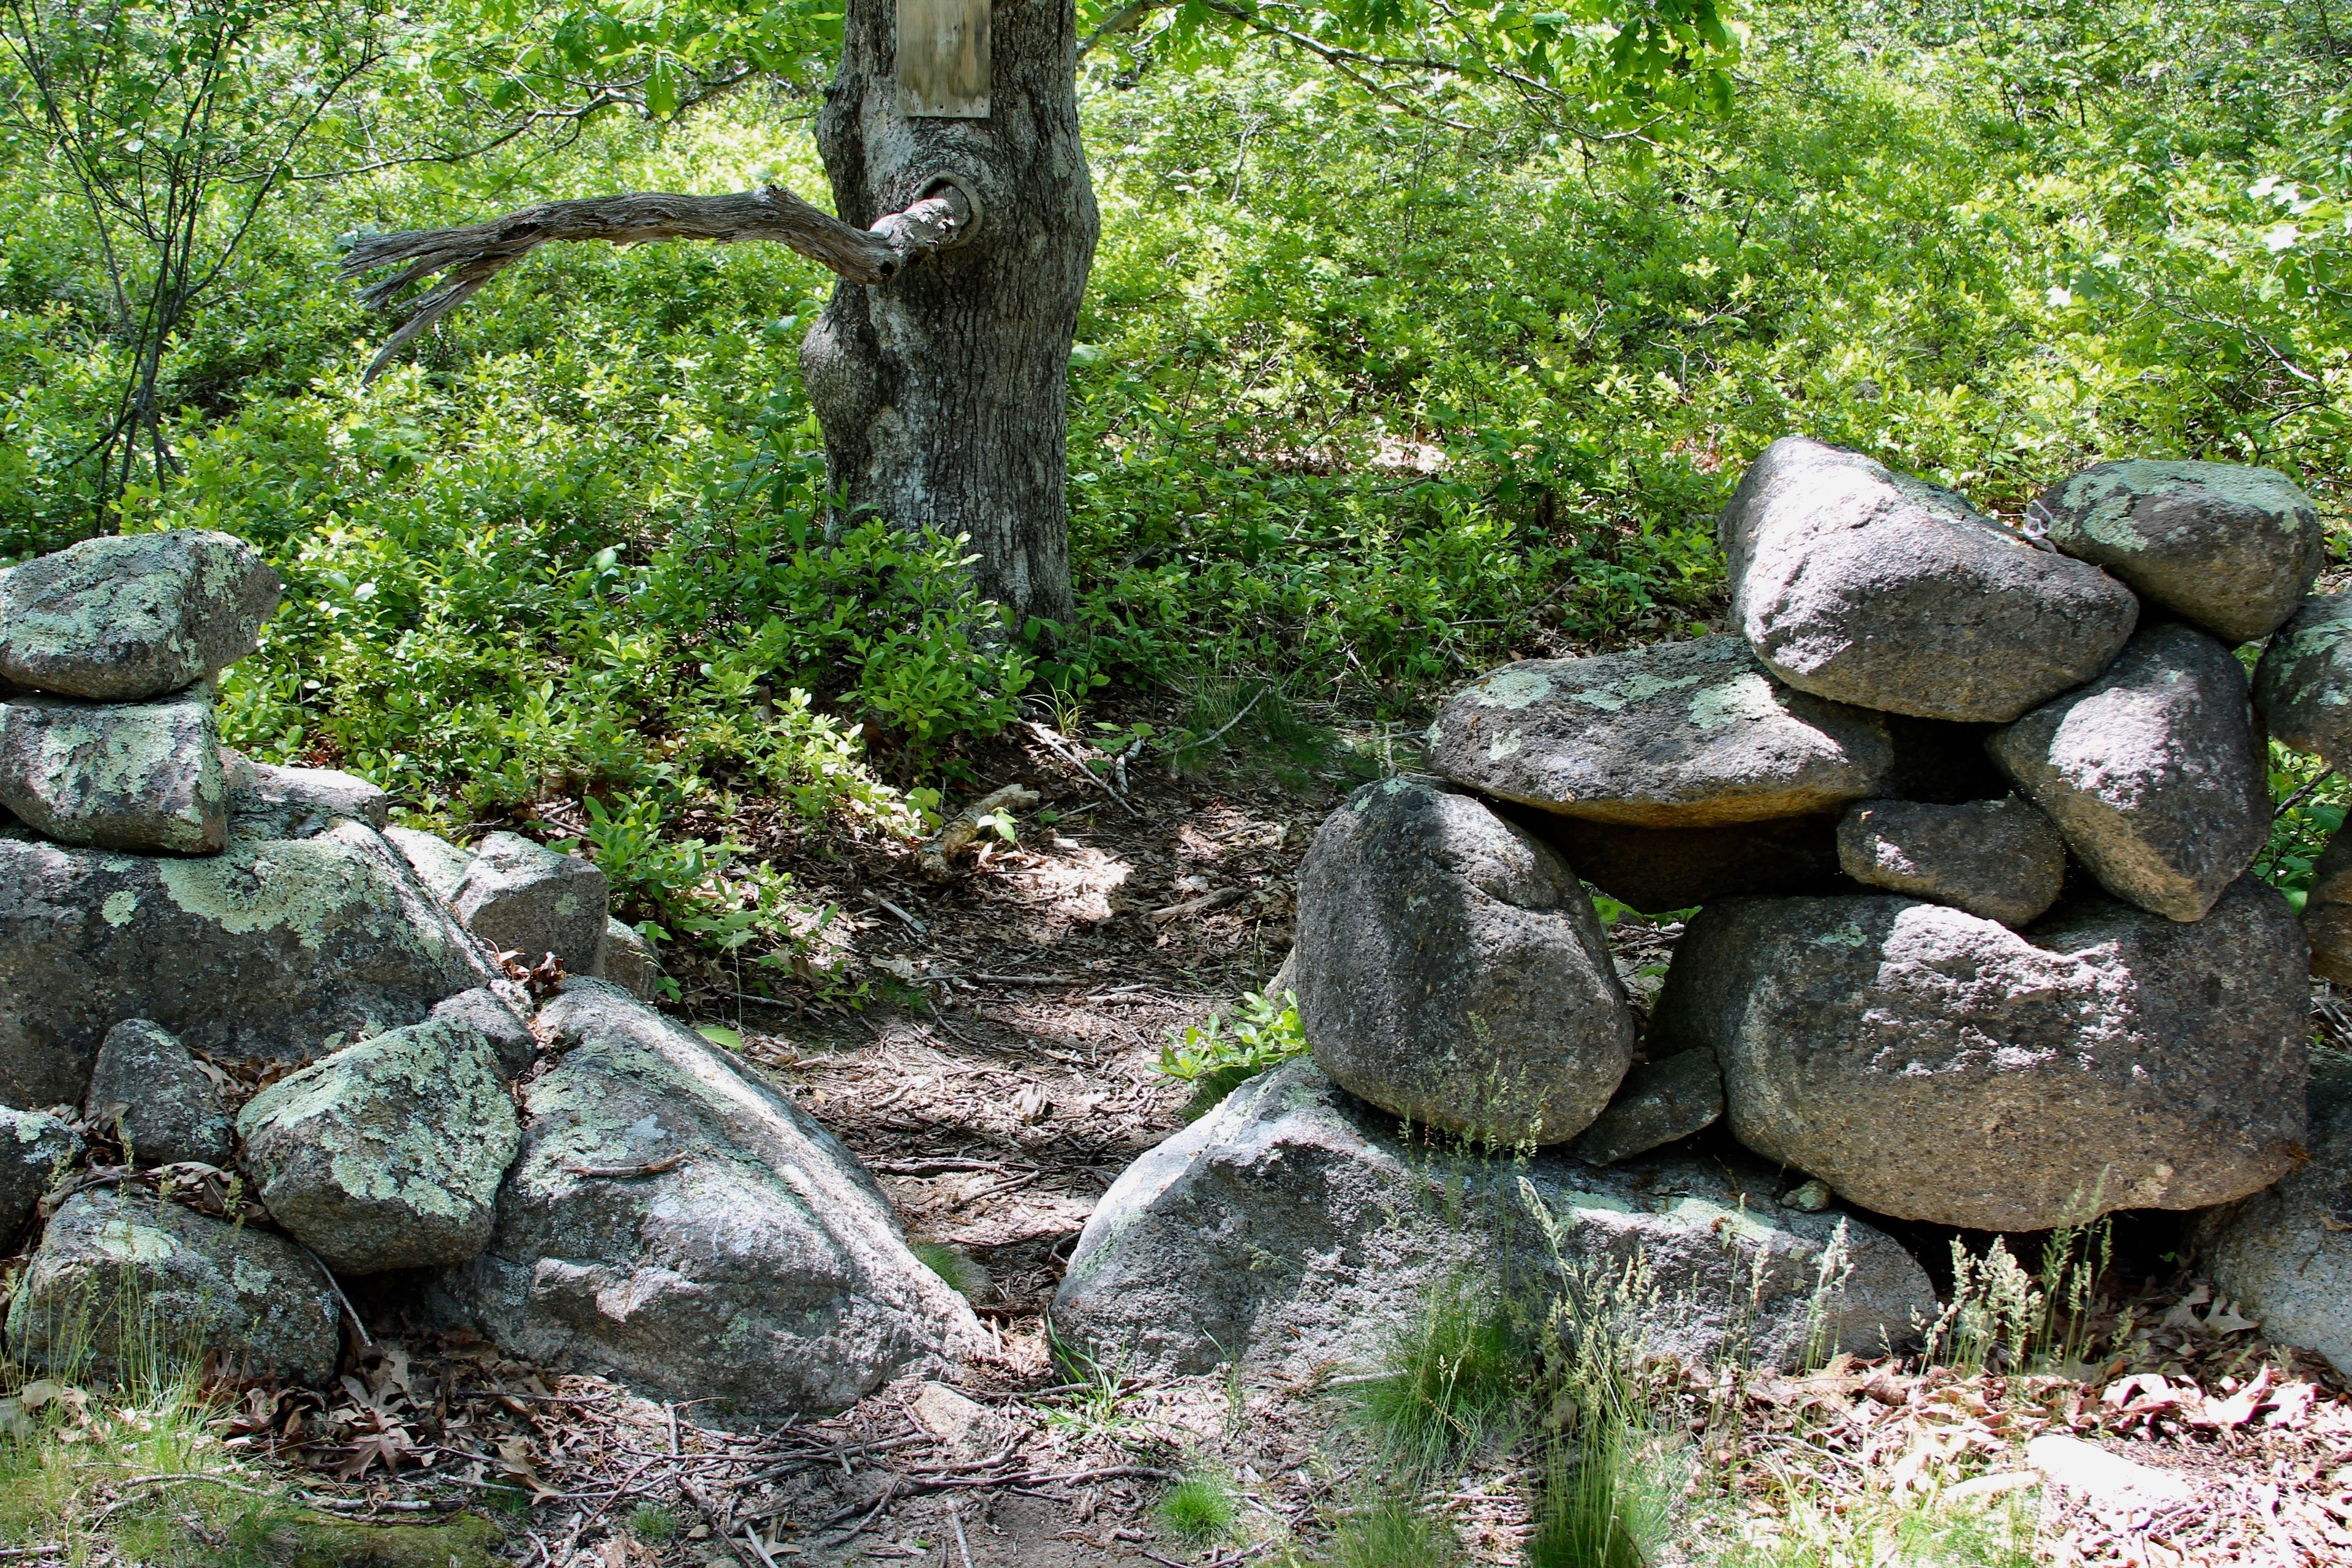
<point x="942" y="392"/>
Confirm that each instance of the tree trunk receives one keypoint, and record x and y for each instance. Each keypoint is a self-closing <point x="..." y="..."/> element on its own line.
<point x="942" y="392"/>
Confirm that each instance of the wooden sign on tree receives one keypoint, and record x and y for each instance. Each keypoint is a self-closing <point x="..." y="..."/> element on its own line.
<point x="943" y="58"/>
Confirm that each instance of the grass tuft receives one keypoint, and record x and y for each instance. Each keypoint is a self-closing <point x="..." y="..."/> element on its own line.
<point x="1200" y="1508"/>
<point x="1454" y="1372"/>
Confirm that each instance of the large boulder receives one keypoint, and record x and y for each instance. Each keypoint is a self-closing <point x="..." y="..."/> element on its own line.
<point x="121" y="776"/>
<point x="2153" y="773"/>
<point x="1872" y="587"/>
<point x="147" y="1090"/>
<point x="2304" y="686"/>
<point x="2285" y="1255"/>
<point x="123" y="619"/>
<point x="1451" y="969"/>
<point x="386" y="1154"/>
<point x="683" y="1226"/>
<point x="33" y="1147"/>
<point x="280" y="947"/>
<point x="1660" y="869"/>
<point x="1294" y="1228"/>
<point x="1935" y="1066"/>
<point x="2231" y="547"/>
<point x="1999" y="858"/>
<point x="1682" y="734"/>
<point x="180" y="1281"/>
<point x="524" y="898"/>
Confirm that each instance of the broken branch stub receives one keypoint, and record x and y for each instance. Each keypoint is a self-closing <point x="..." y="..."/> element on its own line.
<point x="465" y="258"/>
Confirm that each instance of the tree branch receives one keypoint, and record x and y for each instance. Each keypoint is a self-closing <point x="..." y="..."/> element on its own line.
<point x="468" y="257"/>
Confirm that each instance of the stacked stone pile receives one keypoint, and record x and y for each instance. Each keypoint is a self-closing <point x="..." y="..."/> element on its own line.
<point x="646" y="1207"/>
<point x="1967" y="814"/>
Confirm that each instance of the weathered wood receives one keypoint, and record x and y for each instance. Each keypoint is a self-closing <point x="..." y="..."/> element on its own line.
<point x="943" y="58"/>
<point x="468" y="257"/>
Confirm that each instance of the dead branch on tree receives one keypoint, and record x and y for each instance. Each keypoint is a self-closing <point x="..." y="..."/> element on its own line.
<point x="468" y="257"/>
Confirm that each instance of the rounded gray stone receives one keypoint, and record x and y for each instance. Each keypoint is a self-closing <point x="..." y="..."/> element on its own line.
<point x="1999" y="858"/>
<point x="148" y="1090"/>
<point x="388" y="1154"/>
<point x="35" y="1146"/>
<point x="268" y="789"/>
<point x="2303" y="687"/>
<point x="1682" y="734"/>
<point x="1451" y="969"/>
<point x="2327" y="911"/>
<point x="1660" y="1102"/>
<point x="1872" y="587"/>
<point x="2282" y="1255"/>
<point x="2154" y="773"/>
<point x="2231" y="547"/>
<point x="524" y="898"/>
<point x="1294" y="1228"/>
<point x="122" y="775"/>
<point x="490" y="1016"/>
<point x="438" y="863"/>
<point x="680" y="1225"/>
<point x="186" y="1281"/>
<point x="127" y="618"/>
<point x="628" y="960"/>
<point x="276" y="948"/>
<point x="1935" y="1066"/>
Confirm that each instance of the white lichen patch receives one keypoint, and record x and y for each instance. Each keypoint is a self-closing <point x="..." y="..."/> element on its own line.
<point x="127" y="1241"/>
<point x="1511" y="688"/>
<point x="1634" y="690"/>
<point x="307" y="885"/>
<point x="1748" y="696"/>
<point x="1505" y="745"/>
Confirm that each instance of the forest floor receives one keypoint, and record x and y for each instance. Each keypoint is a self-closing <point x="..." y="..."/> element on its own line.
<point x="1012" y="1073"/>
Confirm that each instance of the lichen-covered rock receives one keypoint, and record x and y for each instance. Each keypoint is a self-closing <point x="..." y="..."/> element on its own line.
<point x="2285" y="1255"/>
<point x="1452" y="969"/>
<point x="2231" y="547"/>
<point x="1872" y="587"/>
<point x="388" y="1154"/>
<point x="2304" y="686"/>
<point x="438" y="863"/>
<point x="265" y="789"/>
<point x="1999" y="858"/>
<point x="33" y="1147"/>
<point x="2153" y="773"/>
<point x="522" y="897"/>
<point x="492" y="1016"/>
<point x="121" y="776"/>
<point x="1940" y="1066"/>
<point x="683" y="1226"/>
<point x="1684" y="734"/>
<point x="123" y="619"/>
<point x="1293" y="1228"/>
<point x="1657" y="870"/>
<point x="278" y="948"/>
<point x="149" y="1092"/>
<point x="628" y="960"/>
<point x="248" y="1297"/>
<point x="1660" y="1102"/>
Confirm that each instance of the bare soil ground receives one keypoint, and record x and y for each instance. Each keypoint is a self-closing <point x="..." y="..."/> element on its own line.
<point x="1007" y="1075"/>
